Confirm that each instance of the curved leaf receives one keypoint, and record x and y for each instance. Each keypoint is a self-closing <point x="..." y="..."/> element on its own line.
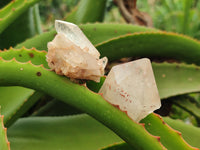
<point x="190" y="133"/>
<point x="152" y="44"/>
<point x="82" y="14"/>
<point x="10" y="12"/>
<point x="15" y="101"/>
<point x="61" y="88"/>
<point x="51" y="133"/>
<point x="12" y="99"/>
<point x="176" y="79"/>
<point x="26" y="25"/>
<point x="56" y="108"/>
<point x="189" y="104"/>
<point x="4" y="144"/>
<point x="162" y="72"/>
<point x="37" y="22"/>
<point x="26" y="104"/>
<point x="172" y="79"/>
<point x="168" y="136"/>
<point x="25" y="55"/>
<point x="96" y="33"/>
<point x="120" y="146"/>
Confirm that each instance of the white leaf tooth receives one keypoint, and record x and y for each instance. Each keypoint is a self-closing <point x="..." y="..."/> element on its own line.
<point x="132" y="87"/>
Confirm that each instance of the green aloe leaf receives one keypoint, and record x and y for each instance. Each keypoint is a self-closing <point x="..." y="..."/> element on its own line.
<point x="20" y="99"/>
<point x="146" y="45"/>
<point x="168" y="136"/>
<point x="37" y="22"/>
<point x="189" y="132"/>
<point x="26" y="104"/>
<point x="26" y="55"/>
<point x="4" y="144"/>
<point x="56" y="108"/>
<point x="10" y="36"/>
<point x="61" y="88"/>
<point x="14" y="9"/>
<point x="12" y="99"/>
<point x="118" y="146"/>
<point x="37" y="78"/>
<point x="176" y="79"/>
<point x="172" y="79"/>
<point x="189" y="104"/>
<point x="96" y="33"/>
<point x="171" y="68"/>
<point x="186" y="23"/>
<point x="82" y="14"/>
<point x="51" y="133"/>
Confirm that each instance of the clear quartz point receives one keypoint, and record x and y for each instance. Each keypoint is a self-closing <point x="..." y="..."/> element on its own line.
<point x="73" y="55"/>
<point x="131" y="86"/>
<point x="75" y="35"/>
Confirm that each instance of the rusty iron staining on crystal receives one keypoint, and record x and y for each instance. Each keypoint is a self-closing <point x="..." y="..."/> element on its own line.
<point x="73" y="55"/>
<point x="132" y="88"/>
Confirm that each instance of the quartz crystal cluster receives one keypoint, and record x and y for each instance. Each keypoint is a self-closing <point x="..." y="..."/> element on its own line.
<point x="73" y="55"/>
<point x="131" y="86"/>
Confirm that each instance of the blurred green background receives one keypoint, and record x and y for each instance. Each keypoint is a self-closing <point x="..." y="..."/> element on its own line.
<point x="181" y="16"/>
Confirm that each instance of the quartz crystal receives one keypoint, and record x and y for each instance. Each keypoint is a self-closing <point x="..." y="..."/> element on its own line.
<point x="73" y="55"/>
<point x="131" y="86"/>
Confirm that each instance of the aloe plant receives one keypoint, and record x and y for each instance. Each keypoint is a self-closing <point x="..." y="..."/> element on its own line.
<point x="43" y="110"/>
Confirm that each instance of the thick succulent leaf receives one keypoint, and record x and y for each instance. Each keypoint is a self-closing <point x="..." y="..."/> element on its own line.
<point x="71" y="16"/>
<point x="172" y="79"/>
<point x="26" y="104"/>
<point x="189" y="104"/>
<point x="153" y="45"/>
<point x="39" y="41"/>
<point x="25" y="55"/>
<point x="56" y="108"/>
<point x="94" y="86"/>
<point x="4" y="144"/>
<point x="12" y="99"/>
<point x="37" y="22"/>
<point x="51" y="133"/>
<point x="14" y="9"/>
<point x="82" y="14"/>
<point x="96" y="33"/>
<point x="118" y="146"/>
<point x="190" y="133"/>
<point x="144" y="44"/>
<point x="176" y="79"/>
<point x="61" y="88"/>
<point x="10" y="36"/>
<point x="168" y="136"/>
<point x="38" y="78"/>
<point x="180" y="67"/>
<point x="15" y="101"/>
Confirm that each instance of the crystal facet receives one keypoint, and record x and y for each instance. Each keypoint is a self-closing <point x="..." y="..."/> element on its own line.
<point x="72" y="54"/>
<point x="132" y="87"/>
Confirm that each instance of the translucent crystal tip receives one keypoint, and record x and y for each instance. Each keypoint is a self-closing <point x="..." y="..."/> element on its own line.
<point x="74" y="34"/>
